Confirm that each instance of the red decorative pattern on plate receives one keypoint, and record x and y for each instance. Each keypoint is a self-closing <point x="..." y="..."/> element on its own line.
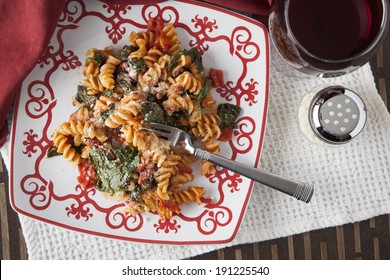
<point x="37" y="193"/>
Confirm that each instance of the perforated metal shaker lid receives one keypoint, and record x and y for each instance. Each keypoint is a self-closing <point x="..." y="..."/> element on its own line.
<point x="337" y="114"/>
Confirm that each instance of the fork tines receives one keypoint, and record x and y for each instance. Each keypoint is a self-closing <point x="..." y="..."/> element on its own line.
<point x="161" y="130"/>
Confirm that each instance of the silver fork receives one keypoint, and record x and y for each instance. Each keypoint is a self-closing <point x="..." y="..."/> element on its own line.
<point x="299" y="190"/>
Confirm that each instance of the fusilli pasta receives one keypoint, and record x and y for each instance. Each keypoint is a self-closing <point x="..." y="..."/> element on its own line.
<point x="149" y="80"/>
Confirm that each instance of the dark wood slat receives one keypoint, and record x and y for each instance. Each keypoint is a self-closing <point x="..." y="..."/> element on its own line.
<point x="5" y="241"/>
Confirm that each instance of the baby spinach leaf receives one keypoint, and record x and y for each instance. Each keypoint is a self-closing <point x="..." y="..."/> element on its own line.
<point x="229" y="114"/>
<point x="138" y="64"/>
<point x="173" y="60"/>
<point x="106" y="114"/>
<point x="126" y="51"/>
<point x="193" y="53"/>
<point x="98" y="59"/>
<point x="52" y="152"/>
<point x="83" y="97"/>
<point x="152" y="112"/>
<point x="203" y="93"/>
<point x="113" y="166"/>
<point x="196" y="58"/>
<point x="124" y="85"/>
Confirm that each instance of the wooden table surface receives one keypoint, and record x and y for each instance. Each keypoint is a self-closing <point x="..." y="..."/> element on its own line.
<point x="369" y="239"/>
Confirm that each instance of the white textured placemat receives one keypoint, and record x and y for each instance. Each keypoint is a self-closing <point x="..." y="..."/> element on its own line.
<point x="352" y="181"/>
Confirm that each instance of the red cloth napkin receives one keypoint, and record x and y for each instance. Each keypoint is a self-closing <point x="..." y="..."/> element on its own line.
<point x="27" y="26"/>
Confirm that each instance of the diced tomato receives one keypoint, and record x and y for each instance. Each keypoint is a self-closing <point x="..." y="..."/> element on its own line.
<point x="226" y="134"/>
<point x="171" y="205"/>
<point x="87" y="177"/>
<point x="156" y="25"/>
<point x="216" y="77"/>
<point x="151" y="24"/>
<point x="145" y="173"/>
<point x="91" y="142"/>
<point x="70" y="139"/>
<point x="184" y="169"/>
<point x="159" y="24"/>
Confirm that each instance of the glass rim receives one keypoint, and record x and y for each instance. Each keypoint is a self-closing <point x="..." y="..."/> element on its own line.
<point x="378" y="38"/>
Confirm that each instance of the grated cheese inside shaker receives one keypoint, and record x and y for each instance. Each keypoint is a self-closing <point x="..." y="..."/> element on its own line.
<point x="332" y="115"/>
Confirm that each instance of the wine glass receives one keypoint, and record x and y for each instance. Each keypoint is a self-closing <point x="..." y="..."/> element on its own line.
<point x="326" y="38"/>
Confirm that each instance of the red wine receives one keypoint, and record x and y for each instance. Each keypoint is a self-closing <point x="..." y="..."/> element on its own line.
<point x="334" y="29"/>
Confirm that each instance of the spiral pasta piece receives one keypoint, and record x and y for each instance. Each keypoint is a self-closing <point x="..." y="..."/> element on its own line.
<point x="180" y="179"/>
<point x="83" y="114"/>
<point x="142" y="50"/>
<point x="174" y="43"/>
<point x="193" y="193"/>
<point x="106" y="75"/>
<point x="151" y="76"/>
<point x="184" y="63"/>
<point x="147" y="36"/>
<point x="189" y="82"/>
<point x="209" y="103"/>
<point x="212" y="146"/>
<point x="206" y="166"/>
<point x="91" y="69"/>
<point x="151" y="202"/>
<point x="177" y="102"/>
<point x="123" y="114"/>
<point x="73" y="128"/>
<point x="65" y="148"/>
<point x="131" y="136"/>
<point x="152" y="56"/>
<point x="104" y="103"/>
<point x="91" y="66"/>
<point x="80" y="130"/>
<point x="207" y="128"/>
<point x="133" y="208"/>
<point x="164" y="173"/>
<point x="93" y="85"/>
<point x="154" y="151"/>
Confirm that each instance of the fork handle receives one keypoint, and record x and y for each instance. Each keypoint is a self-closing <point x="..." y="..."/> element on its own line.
<point x="300" y="190"/>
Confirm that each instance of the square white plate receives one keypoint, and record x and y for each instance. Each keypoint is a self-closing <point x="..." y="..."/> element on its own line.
<point x="47" y="189"/>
